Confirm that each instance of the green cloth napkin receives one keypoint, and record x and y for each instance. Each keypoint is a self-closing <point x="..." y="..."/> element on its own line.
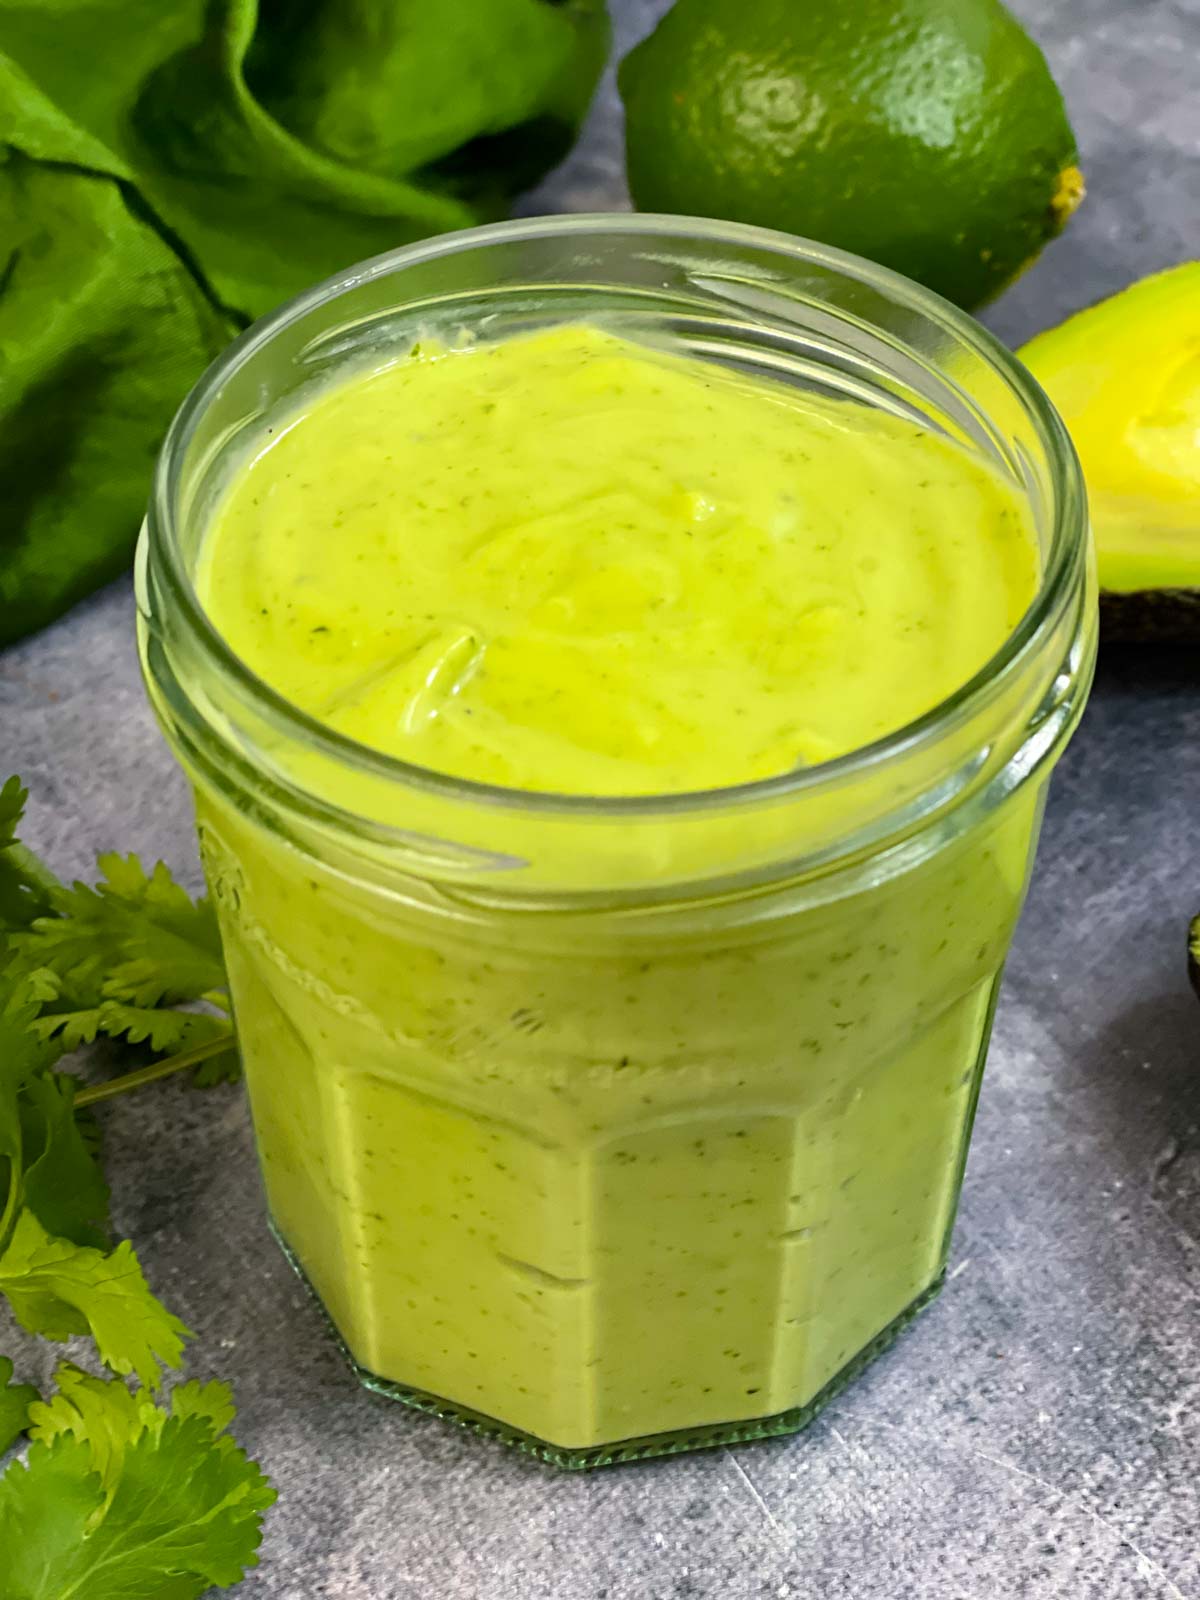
<point x="171" y="169"/>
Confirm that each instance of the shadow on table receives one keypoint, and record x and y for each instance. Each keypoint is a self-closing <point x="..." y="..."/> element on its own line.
<point x="1147" y="668"/>
<point x="1147" y="1070"/>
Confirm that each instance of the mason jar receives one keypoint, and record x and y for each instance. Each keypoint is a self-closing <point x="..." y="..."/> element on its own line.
<point x="619" y="1126"/>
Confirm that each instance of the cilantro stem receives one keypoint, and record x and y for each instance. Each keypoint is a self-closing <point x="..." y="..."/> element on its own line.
<point x="34" y="871"/>
<point x="157" y="1069"/>
<point x="8" y="1218"/>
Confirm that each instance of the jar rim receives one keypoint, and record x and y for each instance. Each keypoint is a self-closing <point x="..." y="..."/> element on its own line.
<point x="1067" y="553"/>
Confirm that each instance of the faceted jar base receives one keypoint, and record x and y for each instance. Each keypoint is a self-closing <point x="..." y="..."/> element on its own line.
<point x="658" y="1444"/>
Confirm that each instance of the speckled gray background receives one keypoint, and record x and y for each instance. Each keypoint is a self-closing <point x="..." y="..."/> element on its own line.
<point x="1037" y="1433"/>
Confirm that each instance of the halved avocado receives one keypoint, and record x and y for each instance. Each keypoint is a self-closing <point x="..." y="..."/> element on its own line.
<point x="1194" y="953"/>
<point x="1125" y="376"/>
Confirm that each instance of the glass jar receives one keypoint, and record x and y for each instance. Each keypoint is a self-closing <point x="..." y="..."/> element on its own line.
<point x="616" y="1127"/>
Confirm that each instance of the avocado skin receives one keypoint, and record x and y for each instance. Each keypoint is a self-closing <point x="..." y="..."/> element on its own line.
<point x="1194" y="954"/>
<point x="1146" y="616"/>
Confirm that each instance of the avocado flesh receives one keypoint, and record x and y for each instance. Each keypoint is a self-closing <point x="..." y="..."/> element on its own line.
<point x="1194" y="954"/>
<point x="1125" y="376"/>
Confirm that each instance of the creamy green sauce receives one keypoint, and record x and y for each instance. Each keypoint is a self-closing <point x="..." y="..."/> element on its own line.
<point x="603" y="1178"/>
<point x="564" y="562"/>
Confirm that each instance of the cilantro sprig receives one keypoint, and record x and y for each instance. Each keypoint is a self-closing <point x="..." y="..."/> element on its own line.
<point x="137" y="1492"/>
<point x="122" y="1494"/>
<point x="117" y="958"/>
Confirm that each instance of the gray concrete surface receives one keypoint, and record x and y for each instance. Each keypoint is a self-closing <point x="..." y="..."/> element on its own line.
<point x="1037" y="1433"/>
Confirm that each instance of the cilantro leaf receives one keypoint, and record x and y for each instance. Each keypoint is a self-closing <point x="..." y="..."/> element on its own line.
<point x="15" y="1402"/>
<point x="182" y="1512"/>
<point x="113" y="960"/>
<point x="47" y="1155"/>
<point x="195" y="1039"/>
<point x="64" y="1187"/>
<point x="27" y="886"/>
<point x="137" y="937"/>
<point x="163" y="1030"/>
<point x="212" y="1400"/>
<point x="223" y="1068"/>
<point x="108" y="1416"/>
<point x="45" y="1504"/>
<point x="103" y="1413"/>
<point x="22" y="1055"/>
<point x="58" y="1289"/>
<point x="13" y="795"/>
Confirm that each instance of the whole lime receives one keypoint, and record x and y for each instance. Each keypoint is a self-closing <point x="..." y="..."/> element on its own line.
<point x="928" y="135"/>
